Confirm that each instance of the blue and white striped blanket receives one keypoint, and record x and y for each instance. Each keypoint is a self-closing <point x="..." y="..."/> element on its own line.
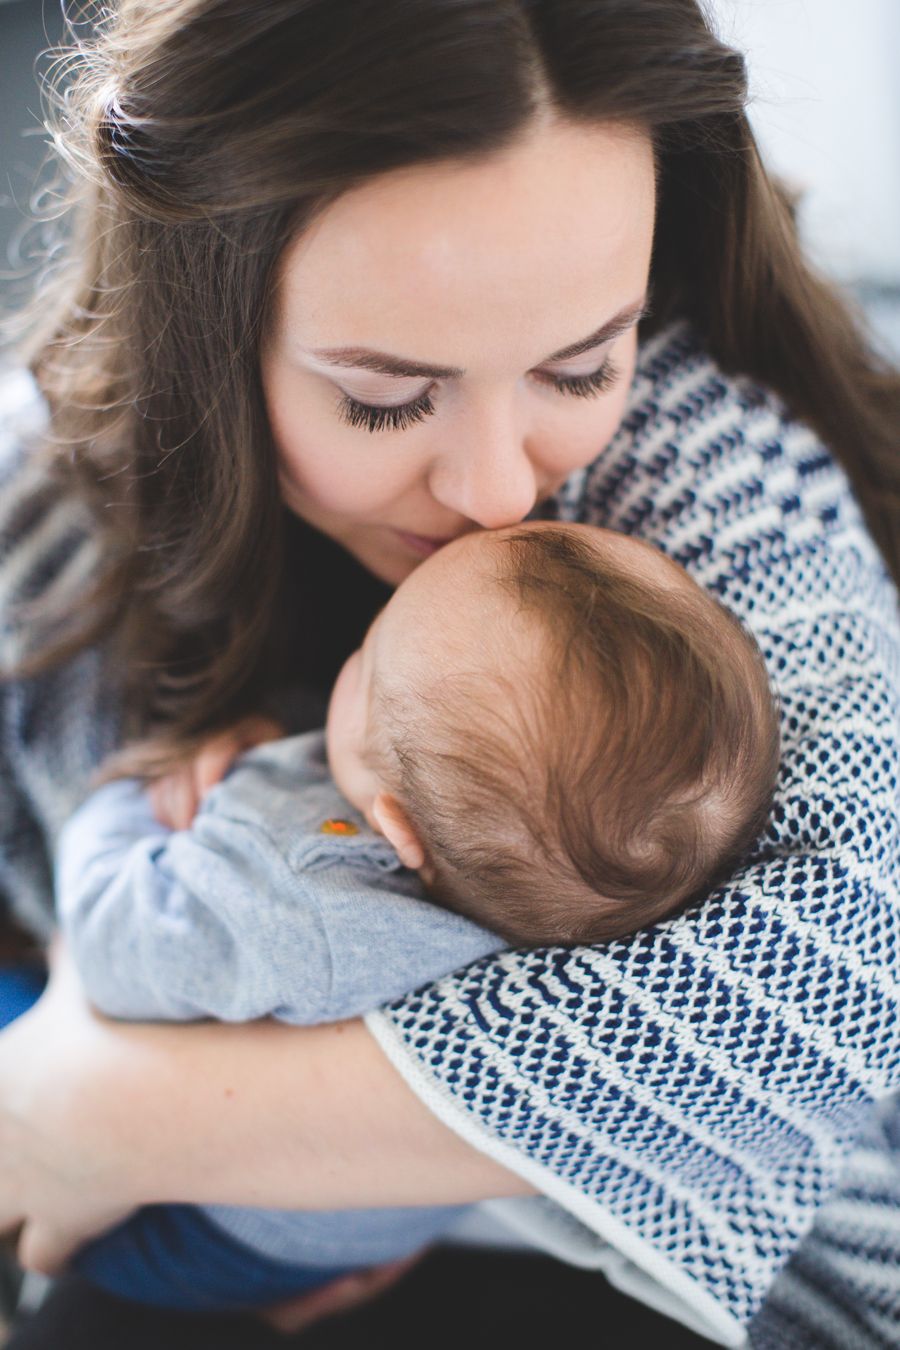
<point x="690" y="1095"/>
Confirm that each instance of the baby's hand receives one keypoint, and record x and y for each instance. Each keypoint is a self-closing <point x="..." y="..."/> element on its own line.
<point x="176" y="796"/>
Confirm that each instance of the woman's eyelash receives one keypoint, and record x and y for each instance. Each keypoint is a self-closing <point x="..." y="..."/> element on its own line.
<point x="403" y="415"/>
<point x="583" y="386"/>
<point x="398" y="418"/>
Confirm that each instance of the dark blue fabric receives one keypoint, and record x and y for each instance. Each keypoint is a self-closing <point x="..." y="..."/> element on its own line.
<point x="170" y="1256"/>
<point x="20" y="986"/>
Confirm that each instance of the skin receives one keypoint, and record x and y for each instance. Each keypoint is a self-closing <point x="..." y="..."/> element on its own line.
<point x="490" y="268"/>
<point x="487" y="268"/>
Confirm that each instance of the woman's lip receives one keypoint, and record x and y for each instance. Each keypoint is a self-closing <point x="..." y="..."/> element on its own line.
<point x="421" y="544"/>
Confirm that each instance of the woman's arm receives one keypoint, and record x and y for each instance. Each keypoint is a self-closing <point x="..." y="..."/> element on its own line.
<point x="97" y="1117"/>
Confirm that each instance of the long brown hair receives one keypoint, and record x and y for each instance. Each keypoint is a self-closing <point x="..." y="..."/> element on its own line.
<point x="202" y="135"/>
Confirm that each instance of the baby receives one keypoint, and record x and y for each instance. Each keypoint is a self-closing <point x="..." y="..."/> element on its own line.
<point x="550" y="735"/>
<point x="560" y="731"/>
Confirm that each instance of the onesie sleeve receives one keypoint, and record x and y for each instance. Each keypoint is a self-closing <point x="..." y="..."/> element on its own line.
<point x="206" y="922"/>
<point x="687" y="1098"/>
<point x="247" y="914"/>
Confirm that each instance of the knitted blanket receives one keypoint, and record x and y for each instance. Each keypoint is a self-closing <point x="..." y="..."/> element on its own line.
<point x="686" y="1100"/>
<point x="690" y="1095"/>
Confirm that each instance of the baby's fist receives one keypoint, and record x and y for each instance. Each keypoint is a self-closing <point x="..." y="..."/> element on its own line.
<point x="176" y="796"/>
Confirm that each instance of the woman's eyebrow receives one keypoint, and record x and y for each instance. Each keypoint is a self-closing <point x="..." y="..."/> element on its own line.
<point x="383" y="363"/>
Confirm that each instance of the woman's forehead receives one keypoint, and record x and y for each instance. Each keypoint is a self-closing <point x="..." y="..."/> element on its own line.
<point x="533" y="246"/>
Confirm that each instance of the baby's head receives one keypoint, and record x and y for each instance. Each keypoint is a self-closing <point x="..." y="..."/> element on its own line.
<point x="559" y="730"/>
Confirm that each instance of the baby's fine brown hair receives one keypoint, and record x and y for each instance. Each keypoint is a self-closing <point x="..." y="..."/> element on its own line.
<point x="610" y="781"/>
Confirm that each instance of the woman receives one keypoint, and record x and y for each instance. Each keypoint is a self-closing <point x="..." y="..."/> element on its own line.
<point x="351" y="282"/>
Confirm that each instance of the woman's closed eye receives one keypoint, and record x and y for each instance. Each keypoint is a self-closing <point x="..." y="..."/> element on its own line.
<point x="400" y="416"/>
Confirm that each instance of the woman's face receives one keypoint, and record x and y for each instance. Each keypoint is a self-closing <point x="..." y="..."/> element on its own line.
<point x="425" y="328"/>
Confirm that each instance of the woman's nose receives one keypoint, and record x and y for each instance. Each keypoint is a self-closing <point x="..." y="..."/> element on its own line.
<point x="491" y="480"/>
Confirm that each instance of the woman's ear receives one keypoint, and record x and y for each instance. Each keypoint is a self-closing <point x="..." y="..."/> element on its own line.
<point x="389" y="817"/>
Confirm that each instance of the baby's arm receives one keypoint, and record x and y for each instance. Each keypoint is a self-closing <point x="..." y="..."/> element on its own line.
<point x="160" y="923"/>
<point x="217" y="921"/>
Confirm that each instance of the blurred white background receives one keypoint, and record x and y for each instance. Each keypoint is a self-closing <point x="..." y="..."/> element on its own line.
<point x="825" y="76"/>
<point x="825" y="82"/>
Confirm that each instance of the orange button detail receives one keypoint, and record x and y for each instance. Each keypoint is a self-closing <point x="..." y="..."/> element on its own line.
<point x="345" y="827"/>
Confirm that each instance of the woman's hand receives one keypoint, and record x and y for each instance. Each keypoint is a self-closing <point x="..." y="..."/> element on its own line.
<point x="176" y="796"/>
<point x="56" y="1183"/>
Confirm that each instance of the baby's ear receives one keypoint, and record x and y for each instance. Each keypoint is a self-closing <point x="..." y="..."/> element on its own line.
<point x="389" y="817"/>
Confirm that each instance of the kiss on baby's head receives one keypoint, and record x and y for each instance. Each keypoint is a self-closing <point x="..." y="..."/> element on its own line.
<point x="560" y="730"/>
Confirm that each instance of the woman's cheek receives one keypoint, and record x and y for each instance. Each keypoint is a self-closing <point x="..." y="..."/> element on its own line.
<point x="615" y="403"/>
<point x="577" y="441"/>
<point x="323" y="462"/>
<point x="582" y="432"/>
<point x="342" y="469"/>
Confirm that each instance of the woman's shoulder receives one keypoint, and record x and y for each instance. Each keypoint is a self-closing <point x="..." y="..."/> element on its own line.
<point x="23" y="424"/>
<point x="23" y="412"/>
<point x="714" y="468"/>
<point x="687" y="416"/>
<point x="46" y="541"/>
